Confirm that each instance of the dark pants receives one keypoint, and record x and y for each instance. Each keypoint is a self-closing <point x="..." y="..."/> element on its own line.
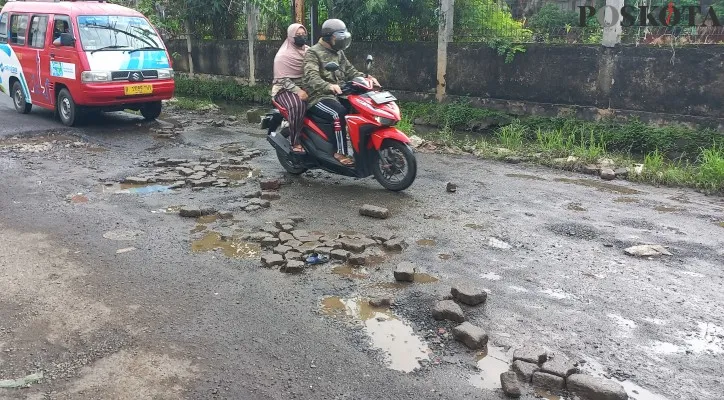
<point x="297" y="108"/>
<point x="334" y="112"/>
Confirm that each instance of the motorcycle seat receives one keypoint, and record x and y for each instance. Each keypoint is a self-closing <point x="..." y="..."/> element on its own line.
<point x="318" y="120"/>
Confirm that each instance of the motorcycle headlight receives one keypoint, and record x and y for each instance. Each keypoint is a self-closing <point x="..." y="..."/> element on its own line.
<point x="385" y="121"/>
<point x="95" y="76"/>
<point x="165" y="73"/>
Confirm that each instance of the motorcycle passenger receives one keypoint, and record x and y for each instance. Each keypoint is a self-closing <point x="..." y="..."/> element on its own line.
<point x="322" y="86"/>
<point x="288" y="73"/>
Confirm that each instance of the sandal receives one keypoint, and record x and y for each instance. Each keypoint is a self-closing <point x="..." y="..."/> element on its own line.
<point x="344" y="160"/>
<point x="316" y="259"/>
<point x="298" y="149"/>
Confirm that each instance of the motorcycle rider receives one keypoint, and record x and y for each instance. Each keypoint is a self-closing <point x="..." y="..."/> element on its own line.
<point x="322" y="85"/>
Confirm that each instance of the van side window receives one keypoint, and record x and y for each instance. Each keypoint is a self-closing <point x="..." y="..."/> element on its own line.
<point x="61" y="24"/>
<point x="18" y="29"/>
<point x="38" y="30"/>
<point x="4" y="28"/>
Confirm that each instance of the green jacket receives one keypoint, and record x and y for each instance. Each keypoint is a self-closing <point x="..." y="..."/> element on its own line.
<point x="316" y="79"/>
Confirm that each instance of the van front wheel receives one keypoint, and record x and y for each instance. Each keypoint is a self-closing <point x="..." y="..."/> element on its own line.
<point x="21" y="105"/>
<point x="151" y="111"/>
<point x="67" y="109"/>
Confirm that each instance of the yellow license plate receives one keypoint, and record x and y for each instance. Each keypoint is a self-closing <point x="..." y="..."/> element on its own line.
<point x="138" y="89"/>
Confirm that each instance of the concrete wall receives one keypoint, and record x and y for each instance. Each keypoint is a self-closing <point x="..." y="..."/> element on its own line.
<point x="655" y="84"/>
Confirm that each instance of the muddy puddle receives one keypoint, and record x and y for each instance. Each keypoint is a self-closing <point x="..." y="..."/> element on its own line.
<point x="601" y="186"/>
<point x="524" y="176"/>
<point x="78" y="198"/>
<point x="426" y="242"/>
<point x="576" y="207"/>
<point x="667" y="209"/>
<point x="207" y="219"/>
<point x="492" y="362"/>
<point x="420" y="278"/>
<point x="231" y="247"/>
<point x="199" y="228"/>
<point x="545" y="394"/>
<point x="132" y="188"/>
<point x="403" y="349"/>
<point x="721" y="224"/>
<point x="241" y="174"/>
<point x="634" y="391"/>
<point x="349" y="271"/>
<point x="626" y="200"/>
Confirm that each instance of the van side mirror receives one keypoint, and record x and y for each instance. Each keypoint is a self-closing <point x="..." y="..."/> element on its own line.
<point x="331" y="66"/>
<point x="67" y="39"/>
<point x="368" y="63"/>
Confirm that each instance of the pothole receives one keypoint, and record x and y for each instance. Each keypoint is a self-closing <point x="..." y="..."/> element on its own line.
<point x="426" y="242"/>
<point x="349" y="271"/>
<point x="491" y="363"/>
<point x="525" y="176"/>
<point x="230" y="246"/>
<point x="402" y="348"/>
<point x="601" y="186"/>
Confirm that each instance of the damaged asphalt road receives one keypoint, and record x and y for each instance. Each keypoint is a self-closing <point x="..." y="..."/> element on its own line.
<point x="109" y="293"/>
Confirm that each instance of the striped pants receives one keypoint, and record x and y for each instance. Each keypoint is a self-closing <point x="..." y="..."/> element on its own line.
<point x="334" y="112"/>
<point x="297" y="108"/>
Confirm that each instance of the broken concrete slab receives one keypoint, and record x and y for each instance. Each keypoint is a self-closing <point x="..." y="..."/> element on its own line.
<point x="531" y="354"/>
<point x="468" y="294"/>
<point x="559" y="365"/>
<point x="194" y="211"/>
<point x="525" y="370"/>
<point x="405" y="272"/>
<point x="551" y="382"/>
<point x="647" y="250"/>
<point x="595" y="388"/>
<point x="509" y="382"/>
<point x="396" y="244"/>
<point x="380" y="302"/>
<point x="374" y="211"/>
<point x="448" y="310"/>
<point x="470" y="335"/>
<point x="273" y="260"/>
<point x="293" y="267"/>
<point x="270" y="184"/>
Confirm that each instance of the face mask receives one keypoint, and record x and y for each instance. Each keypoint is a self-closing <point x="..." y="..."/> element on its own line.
<point x="300" y="41"/>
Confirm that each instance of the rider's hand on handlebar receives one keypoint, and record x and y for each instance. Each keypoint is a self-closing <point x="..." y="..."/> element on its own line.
<point x="374" y="81"/>
<point x="335" y="89"/>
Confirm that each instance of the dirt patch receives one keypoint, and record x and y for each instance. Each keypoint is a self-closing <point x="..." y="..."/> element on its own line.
<point x="600" y="186"/>
<point x="574" y="230"/>
<point x="133" y="376"/>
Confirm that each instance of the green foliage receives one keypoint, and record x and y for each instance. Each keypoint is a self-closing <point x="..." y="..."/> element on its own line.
<point x="711" y="171"/>
<point x="226" y="90"/>
<point x="550" y="16"/>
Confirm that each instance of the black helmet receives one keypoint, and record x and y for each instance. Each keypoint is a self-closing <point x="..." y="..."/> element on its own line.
<point x="335" y="28"/>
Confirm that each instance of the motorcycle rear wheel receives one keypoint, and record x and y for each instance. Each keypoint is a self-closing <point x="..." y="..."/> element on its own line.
<point x="395" y="158"/>
<point x="284" y="160"/>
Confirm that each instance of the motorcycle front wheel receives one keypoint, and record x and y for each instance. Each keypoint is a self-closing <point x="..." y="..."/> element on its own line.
<point x="396" y="166"/>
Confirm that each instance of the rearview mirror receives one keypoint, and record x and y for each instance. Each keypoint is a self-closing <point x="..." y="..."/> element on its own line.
<point x="331" y="66"/>
<point x="67" y="39"/>
<point x="368" y="64"/>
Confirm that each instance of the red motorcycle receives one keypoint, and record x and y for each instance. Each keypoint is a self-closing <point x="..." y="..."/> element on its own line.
<point x="379" y="148"/>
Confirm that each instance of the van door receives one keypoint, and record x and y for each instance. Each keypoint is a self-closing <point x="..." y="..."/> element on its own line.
<point x="18" y="53"/>
<point x="38" y="72"/>
<point x="64" y="60"/>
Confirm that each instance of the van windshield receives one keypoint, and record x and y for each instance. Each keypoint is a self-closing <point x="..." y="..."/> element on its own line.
<point x="119" y="33"/>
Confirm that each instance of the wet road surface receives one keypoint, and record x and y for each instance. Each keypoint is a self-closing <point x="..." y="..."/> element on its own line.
<point x="113" y="295"/>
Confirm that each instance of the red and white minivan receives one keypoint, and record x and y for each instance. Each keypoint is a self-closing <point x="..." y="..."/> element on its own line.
<point x="76" y="56"/>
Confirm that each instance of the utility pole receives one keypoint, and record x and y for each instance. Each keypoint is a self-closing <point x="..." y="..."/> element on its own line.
<point x="252" y="15"/>
<point x="444" y="35"/>
<point x="314" y="23"/>
<point x="299" y="11"/>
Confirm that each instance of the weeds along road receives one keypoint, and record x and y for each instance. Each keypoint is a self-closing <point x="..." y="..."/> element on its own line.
<point x="108" y="292"/>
